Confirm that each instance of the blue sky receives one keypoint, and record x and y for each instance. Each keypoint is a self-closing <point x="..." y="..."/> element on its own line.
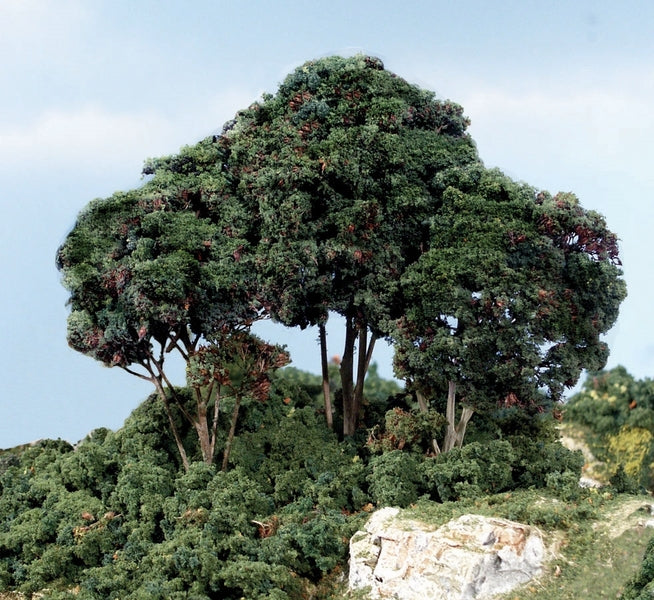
<point x="560" y="95"/>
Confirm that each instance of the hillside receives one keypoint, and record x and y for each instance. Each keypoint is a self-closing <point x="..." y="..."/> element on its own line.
<point x="118" y="515"/>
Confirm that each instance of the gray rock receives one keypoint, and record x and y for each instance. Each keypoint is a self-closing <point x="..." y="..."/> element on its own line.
<point x="472" y="557"/>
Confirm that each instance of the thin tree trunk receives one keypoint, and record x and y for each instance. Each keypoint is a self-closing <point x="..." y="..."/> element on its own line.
<point x="232" y="431"/>
<point x="156" y="381"/>
<point x="450" y="413"/>
<point x="466" y="415"/>
<point x="347" y="379"/>
<point x="325" y="376"/>
<point x="455" y="431"/>
<point x="178" y="440"/>
<point x="201" y="424"/>
<point x="216" y="413"/>
<point x="357" y="396"/>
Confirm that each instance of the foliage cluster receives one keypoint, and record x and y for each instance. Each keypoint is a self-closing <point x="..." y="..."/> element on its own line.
<point x="617" y="413"/>
<point x="353" y="192"/>
<point x="475" y="470"/>
<point x="349" y="191"/>
<point x="119" y="516"/>
<point x="641" y="587"/>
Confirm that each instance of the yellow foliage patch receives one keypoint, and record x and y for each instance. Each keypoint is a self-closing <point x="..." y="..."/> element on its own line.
<point x="630" y="447"/>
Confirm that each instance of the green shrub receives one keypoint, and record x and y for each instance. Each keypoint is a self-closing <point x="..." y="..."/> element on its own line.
<point x="410" y="430"/>
<point x="536" y="459"/>
<point x="395" y="478"/>
<point x="632" y="448"/>
<point x="641" y="587"/>
<point x="470" y="471"/>
<point x="258" y="580"/>
<point x="297" y="456"/>
<point x="622" y="482"/>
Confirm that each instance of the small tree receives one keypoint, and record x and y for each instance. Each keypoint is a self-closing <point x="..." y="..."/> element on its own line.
<point x="148" y="276"/>
<point x="508" y="304"/>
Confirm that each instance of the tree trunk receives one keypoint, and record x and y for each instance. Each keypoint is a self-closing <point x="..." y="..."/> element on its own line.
<point x="214" y="423"/>
<point x="466" y="415"/>
<point x="325" y="376"/>
<point x="202" y="428"/>
<point x="232" y="431"/>
<point x="178" y="440"/>
<point x="455" y="431"/>
<point x="347" y="380"/>
<point x="353" y="392"/>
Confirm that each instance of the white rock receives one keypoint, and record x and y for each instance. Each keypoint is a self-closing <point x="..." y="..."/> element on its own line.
<point x="472" y="557"/>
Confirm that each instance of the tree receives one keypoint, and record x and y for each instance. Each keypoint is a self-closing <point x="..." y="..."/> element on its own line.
<point x="509" y="303"/>
<point x="349" y="191"/>
<point x="336" y="170"/>
<point x="149" y="274"/>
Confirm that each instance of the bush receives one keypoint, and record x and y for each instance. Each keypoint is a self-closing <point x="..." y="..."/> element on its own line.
<point x="297" y="456"/>
<point x="473" y="470"/>
<point x="410" y="430"/>
<point x="537" y="459"/>
<point x="641" y="587"/>
<point x="395" y="478"/>
<point x="622" y="482"/>
<point x="632" y="448"/>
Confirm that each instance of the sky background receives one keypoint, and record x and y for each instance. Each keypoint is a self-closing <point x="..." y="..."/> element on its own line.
<point x="560" y="95"/>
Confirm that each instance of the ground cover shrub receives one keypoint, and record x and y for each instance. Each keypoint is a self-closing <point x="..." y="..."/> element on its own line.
<point x="471" y="471"/>
<point x="118" y="516"/>
<point x="395" y="478"/>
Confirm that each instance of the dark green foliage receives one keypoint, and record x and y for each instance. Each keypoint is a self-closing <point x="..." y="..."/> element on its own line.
<point x="610" y="400"/>
<point x="623" y="483"/>
<point x="349" y="191"/>
<point x="118" y="517"/>
<point x="337" y="173"/>
<point x="410" y="429"/>
<point x="149" y="274"/>
<point x="471" y="471"/>
<point x="299" y="458"/>
<point x="538" y="458"/>
<point x="641" y="587"/>
<point x="512" y="296"/>
<point x="395" y="478"/>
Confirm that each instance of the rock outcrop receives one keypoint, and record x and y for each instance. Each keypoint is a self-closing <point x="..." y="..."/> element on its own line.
<point x="472" y="557"/>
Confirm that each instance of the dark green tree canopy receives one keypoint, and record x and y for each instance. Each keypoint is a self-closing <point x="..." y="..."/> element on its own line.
<point x="513" y="295"/>
<point x="350" y="191"/>
<point x="339" y="173"/>
<point x="336" y="170"/>
<point x="150" y="274"/>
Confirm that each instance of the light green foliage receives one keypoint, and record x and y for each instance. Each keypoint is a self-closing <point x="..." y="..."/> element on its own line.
<point x="617" y="413"/>
<point x="632" y="448"/>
